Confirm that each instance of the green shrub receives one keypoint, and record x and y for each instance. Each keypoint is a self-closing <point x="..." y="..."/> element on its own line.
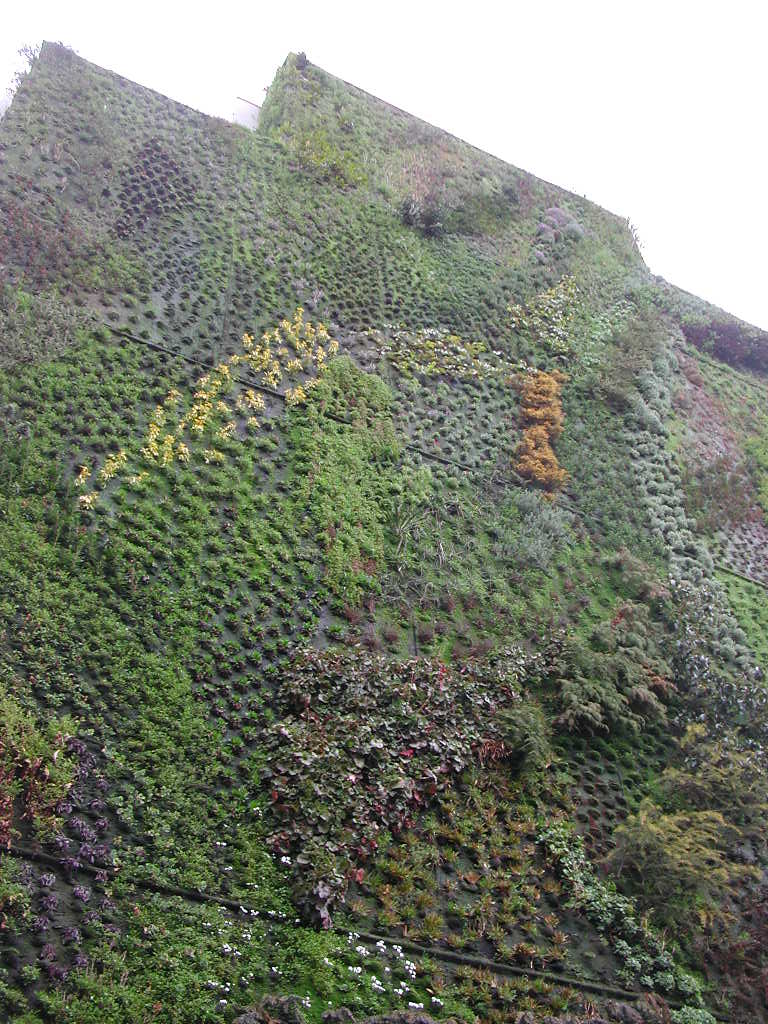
<point x="597" y="689"/>
<point x="676" y="860"/>
<point x="716" y="775"/>
<point x="37" y="326"/>
<point x="14" y="897"/>
<point x="692" y="1015"/>
<point x="426" y="214"/>
<point x="527" y="731"/>
<point x="349" y="509"/>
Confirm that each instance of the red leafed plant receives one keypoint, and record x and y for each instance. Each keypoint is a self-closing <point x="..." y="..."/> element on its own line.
<point x="363" y="743"/>
<point x="492" y="751"/>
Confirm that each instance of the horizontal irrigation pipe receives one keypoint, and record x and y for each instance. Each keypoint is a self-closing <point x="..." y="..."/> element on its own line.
<point x="514" y="970"/>
<point x="274" y="393"/>
<point x="192" y="895"/>
<point x="460" y="959"/>
<point x="741" y="575"/>
<point x="756" y="381"/>
<point x="432" y="456"/>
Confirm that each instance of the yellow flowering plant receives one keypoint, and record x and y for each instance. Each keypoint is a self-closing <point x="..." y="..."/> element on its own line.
<point x="294" y="347"/>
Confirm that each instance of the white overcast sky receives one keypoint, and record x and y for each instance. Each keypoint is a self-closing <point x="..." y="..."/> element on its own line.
<point x="654" y="110"/>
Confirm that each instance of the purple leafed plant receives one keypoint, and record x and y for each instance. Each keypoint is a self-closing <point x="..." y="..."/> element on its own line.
<point x="87" y="853"/>
<point x="76" y="746"/>
<point x="101" y="852"/>
<point x="50" y="902"/>
<point x="81" y="828"/>
<point x="71" y="936"/>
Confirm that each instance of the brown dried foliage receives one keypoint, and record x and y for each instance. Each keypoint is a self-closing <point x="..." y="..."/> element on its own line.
<point x="543" y="423"/>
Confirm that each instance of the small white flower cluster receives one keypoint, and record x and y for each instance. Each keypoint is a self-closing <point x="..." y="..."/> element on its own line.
<point x="248" y="913"/>
<point x="246" y="979"/>
<point x="276" y="971"/>
<point x="219" y="843"/>
<point x="379" y="987"/>
<point x="436" y="1002"/>
<point x="219" y="931"/>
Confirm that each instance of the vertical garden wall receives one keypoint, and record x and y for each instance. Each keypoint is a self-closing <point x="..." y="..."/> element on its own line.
<point x="382" y="579"/>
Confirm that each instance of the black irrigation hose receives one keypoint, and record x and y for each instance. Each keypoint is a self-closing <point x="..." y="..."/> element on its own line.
<point x="39" y="857"/>
<point x="274" y="393"/>
<point x="121" y="332"/>
<point x="562" y="980"/>
<point x="462" y="959"/>
<point x="741" y="575"/>
<point x="192" y="895"/>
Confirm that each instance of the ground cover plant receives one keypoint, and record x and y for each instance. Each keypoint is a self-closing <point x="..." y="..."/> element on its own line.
<point x="350" y="653"/>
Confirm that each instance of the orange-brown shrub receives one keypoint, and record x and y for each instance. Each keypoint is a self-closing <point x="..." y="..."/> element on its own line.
<point x="542" y="416"/>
